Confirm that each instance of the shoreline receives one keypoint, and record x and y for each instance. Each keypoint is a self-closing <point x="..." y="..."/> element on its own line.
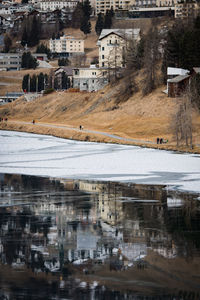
<point x="72" y="133"/>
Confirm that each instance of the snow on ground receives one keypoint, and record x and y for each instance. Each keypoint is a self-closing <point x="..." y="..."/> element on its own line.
<point x="33" y="154"/>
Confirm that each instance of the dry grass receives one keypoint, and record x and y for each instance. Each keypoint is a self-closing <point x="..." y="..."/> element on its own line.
<point x="141" y="118"/>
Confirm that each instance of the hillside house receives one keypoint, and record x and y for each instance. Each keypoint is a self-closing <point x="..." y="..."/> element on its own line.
<point x="67" y="46"/>
<point x="90" y="79"/>
<point x="63" y="77"/>
<point x="12" y="61"/>
<point x="112" y="46"/>
<point x="177" y="85"/>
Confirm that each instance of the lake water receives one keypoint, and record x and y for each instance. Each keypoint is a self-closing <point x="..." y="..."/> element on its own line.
<point x="97" y="221"/>
<point x="78" y="239"/>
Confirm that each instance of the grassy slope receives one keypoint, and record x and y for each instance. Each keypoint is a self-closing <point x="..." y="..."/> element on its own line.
<point x="140" y="117"/>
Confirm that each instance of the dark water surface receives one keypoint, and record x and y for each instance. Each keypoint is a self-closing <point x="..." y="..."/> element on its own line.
<point x="62" y="239"/>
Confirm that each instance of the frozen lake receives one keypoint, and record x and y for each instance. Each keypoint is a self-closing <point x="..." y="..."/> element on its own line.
<point x="32" y="154"/>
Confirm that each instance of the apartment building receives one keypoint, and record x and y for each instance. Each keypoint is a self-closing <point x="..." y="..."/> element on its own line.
<point x="12" y="61"/>
<point x="67" y="46"/>
<point x="186" y="9"/>
<point x="112" y="46"/>
<point x="90" y="79"/>
<point x="103" y="5"/>
<point x="49" y="5"/>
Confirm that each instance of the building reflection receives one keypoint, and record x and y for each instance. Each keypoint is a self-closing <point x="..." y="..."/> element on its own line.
<point x="46" y="223"/>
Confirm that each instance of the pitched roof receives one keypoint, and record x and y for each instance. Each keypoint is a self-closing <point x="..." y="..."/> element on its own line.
<point x="178" y="78"/>
<point x="124" y="33"/>
<point x="196" y="69"/>
<point x="68" y="70"/>
<point x="177" y="71"/>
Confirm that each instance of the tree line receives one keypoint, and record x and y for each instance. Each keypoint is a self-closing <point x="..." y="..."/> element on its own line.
<point x="104" y="21"/>
<point x="41" y="82"/>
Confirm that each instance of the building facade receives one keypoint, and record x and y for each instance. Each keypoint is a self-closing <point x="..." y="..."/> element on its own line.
<point x="12" y="61"/>
<point x="112" y="46"/>
<point x="67" y="45"/>
<point x="186" y="9"/>
<point x="90" y="79"/>
<point x="49" y="5"/>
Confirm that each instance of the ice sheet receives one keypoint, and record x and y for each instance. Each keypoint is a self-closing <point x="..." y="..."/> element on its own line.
<point x="41" y="155"/>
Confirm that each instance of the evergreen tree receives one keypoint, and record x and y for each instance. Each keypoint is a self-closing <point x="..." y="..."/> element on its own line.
<point x="87" y="9"/>
<point x="7" y="43"/>
<point x="182" y="47"/>
<point x="77" y="16"/>
<point x="64" y="82"/>
<point x="33" y="83"/>
<point x="63" y="62"/>
<point x="56" y="85"/>
<point x="108" y="20"/>
<point x="85" y="26"/>
<point x="28" y="61"/>
<point x="40" y="82"/>
<point x="24" y="38"/>
<point x="99" y="24"/>
<point x="34" y="32"/>
<point x="43" y="49"/>
<point x="25" y="82"/>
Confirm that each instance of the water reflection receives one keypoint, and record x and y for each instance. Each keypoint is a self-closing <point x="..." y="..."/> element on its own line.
<point x="91" y="240"/>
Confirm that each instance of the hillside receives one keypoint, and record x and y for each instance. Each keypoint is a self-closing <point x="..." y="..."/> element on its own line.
<point x="141" y="118"/>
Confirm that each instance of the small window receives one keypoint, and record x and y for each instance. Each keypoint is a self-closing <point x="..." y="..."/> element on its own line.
<point x="102" y="56"/>
<point x="102" y="64"/>
<point x="102" y="49"/>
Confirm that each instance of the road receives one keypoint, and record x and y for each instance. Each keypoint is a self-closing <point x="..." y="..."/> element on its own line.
<point x="113" y="136"/>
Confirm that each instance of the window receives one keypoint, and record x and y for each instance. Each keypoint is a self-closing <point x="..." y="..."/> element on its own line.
<point x="102" y="56"/>
<point x="102" y="64"/>
<point x="102" y="49"/>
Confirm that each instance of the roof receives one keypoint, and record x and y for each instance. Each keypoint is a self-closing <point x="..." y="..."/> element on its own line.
<point x="124" y="33"/>
<point x="178" y="78"/>
<point x="177" y="71"/>
<point x="68" y="70"/>
<point x="196" y="69"/>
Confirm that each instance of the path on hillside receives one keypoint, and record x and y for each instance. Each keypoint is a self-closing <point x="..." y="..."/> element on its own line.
<point x="113" y="136"/>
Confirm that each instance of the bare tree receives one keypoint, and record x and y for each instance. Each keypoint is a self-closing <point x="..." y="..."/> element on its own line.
<point x="151" y="58"/>
<point x="182" y="122"/>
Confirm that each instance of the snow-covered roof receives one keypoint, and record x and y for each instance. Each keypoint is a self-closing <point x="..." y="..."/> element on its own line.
<point x="124" y="33"/>
<point x="177" y="71"/>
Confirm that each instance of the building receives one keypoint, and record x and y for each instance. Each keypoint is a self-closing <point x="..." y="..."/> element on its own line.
<point x="90" y="79"/>
<point x="49" y="5"/>
<point x="12" y="61"/>
<point x="103" y="5"/>
<point x="63" y="77"/>
<point x="66" y="46"/>
<point x="185" y="9"/>
<point x="177" y="85"/>
<point x="126" y="5"/>
<point x="145" y="12"/>
<point x="112" y="46"/>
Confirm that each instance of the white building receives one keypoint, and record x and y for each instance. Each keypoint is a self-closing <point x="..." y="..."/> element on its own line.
<point x="90" y="79"/>
<point x="67" y="45"/>
<point x="112" y="45"/>
<point x="49" y="5"/>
